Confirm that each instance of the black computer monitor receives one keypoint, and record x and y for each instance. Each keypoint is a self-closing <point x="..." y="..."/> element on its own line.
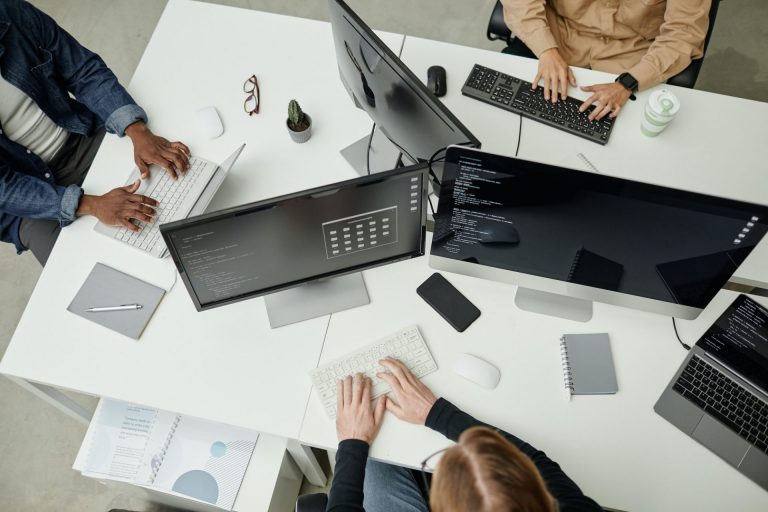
<point x="405" y="111"/>
<point x="299" y="241"/>
<point x="562" y="235"/>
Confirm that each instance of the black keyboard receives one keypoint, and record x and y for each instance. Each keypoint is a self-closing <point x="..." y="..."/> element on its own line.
<point x="725" y="400"/>
<point x="515" y="95"/>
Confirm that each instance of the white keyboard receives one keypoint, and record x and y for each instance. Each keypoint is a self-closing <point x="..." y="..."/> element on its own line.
<point x="406" y="345"/>
<point x="176" y="198"/>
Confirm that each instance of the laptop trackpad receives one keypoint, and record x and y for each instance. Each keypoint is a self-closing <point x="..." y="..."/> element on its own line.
<point x="720" y="440"/>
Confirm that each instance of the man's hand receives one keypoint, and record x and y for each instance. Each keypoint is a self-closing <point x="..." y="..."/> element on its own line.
<point x="607" y="98"/>
<point x="555" y="71"/>
<point x="149" y="149"/>
<point x="356" y="418"/>
<point x="119" y="207"/>
<point x="414" y="399"/>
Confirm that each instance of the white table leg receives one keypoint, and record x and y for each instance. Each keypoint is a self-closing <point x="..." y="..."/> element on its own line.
<point x="307" y="462"/>
<point x="56" y="398"/>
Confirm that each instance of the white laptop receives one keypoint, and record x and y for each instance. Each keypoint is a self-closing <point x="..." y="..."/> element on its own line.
<point x="187" y="196"/>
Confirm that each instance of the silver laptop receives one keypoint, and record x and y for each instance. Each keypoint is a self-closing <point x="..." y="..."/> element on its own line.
<point x="184" y="197"/>
<point x="719" y="396"/>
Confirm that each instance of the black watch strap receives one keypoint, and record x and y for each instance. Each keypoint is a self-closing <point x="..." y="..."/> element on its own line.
<point x="629" y="83"/>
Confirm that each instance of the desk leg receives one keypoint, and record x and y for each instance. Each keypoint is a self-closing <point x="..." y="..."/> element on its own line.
<point x="56" y="398"/>
<point x="307" y="462"/>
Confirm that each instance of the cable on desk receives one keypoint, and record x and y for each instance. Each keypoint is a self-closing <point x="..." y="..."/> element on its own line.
<point x="520" y="136"/>
<point x="674" y="324"/>
<point x="368" y="152"/>
<point x="430" y="205"/>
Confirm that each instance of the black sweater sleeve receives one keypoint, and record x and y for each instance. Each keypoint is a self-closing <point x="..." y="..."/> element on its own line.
<point x="447" y="419"/>
<point x="347" y="488"/>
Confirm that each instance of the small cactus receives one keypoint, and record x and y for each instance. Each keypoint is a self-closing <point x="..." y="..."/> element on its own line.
<point x="296" y="119"/>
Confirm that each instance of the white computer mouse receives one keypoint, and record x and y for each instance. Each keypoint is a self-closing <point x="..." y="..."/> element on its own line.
<point x="477" y="370"/>
<point x="209" y="122"/>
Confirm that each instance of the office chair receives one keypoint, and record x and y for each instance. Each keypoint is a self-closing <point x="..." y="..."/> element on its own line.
<point x="498" y="30"/>
<point x="312" y="502"/>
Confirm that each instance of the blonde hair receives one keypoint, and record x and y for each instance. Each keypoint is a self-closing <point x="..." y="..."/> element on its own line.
<point x="486" y="473"/>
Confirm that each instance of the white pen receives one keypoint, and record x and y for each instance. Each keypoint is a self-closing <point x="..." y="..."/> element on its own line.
<point x="124" y="307"/>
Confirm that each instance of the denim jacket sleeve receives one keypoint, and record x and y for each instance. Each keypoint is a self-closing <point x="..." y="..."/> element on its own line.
<point x="27" y="196"/>
<point x="85" y="74"/>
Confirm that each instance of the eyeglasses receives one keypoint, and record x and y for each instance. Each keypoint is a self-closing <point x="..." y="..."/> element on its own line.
<point x="426" y="467"/>
<point x="251" y="104"/>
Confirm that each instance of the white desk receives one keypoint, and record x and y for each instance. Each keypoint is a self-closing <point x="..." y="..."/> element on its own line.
<point x="227" y="365"/>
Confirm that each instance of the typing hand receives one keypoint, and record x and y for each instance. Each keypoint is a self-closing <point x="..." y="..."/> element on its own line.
<point x="120" y="207"/>
<point x="414" y="399"/>
<point x="356" y="417"/>
<point x="149" y="149"/>
<point x="607" y="98"/>
<point x="554" y="71"/>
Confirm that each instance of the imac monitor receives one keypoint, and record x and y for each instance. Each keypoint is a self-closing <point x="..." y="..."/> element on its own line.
<point x="305" y="249"/>
<point x="568" y="237"/>
<point x="405" y="111"/>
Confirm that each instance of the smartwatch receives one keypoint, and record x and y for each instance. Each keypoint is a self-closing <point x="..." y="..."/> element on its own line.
<point x="629" y="83"/>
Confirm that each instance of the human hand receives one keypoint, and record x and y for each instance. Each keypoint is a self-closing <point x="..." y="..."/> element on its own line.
<point x="607" y="98"/>
<point x="555" y="71"/>
<point x="149" y="149"/>
<point x="119" y="207"/>
<point x="356" y="418"/>
<point x="414" y="399"/>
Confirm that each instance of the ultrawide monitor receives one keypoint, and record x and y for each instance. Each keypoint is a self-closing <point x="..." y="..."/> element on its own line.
<point x="589" y="236"/>
<point x="410" y="116"/>
<point x="310" y="236"/>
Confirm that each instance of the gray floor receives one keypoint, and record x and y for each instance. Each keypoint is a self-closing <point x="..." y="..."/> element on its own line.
<point x="37" y="443"/>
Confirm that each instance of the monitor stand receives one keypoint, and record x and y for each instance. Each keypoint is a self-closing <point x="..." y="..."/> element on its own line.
<point x="553" y="304"/>
<point x="316" y="298"/>
<point x="384" y="154"/>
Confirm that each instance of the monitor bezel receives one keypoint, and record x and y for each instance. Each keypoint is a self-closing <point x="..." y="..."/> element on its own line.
<point x="404" y="71"/>
<point x="168" y="229"/>
<point x="578" y="291"/>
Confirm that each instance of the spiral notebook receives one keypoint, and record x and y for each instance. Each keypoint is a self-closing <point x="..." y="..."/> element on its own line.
<point x="202" y="460"/>
<point x="587" y="364"/>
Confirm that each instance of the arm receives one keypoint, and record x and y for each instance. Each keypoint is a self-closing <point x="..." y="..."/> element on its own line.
<point x="84" y="73"/>
<point x="446" y="418"/>
<point x="26" y="196"/>
<point x="527" y="19"/>
<point x="680" y="40"/>
<point x="357" y="423"/>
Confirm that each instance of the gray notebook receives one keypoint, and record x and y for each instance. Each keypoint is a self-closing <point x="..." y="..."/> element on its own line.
<point x="587" y="364"/>
<point x="106" y="286"/>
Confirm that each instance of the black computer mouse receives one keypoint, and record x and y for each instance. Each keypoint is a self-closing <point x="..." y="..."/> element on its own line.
<point x="499" y="233"/>
<point x="436" y="80"/>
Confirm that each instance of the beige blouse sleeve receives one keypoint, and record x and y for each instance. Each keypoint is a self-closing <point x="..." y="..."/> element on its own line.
<point x="527" y="19"/>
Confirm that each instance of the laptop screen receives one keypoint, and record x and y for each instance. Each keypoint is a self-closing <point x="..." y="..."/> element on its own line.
<point x="739" y="339"/>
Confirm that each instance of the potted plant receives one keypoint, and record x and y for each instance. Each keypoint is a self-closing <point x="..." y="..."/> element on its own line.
<point x="299" y="124"/>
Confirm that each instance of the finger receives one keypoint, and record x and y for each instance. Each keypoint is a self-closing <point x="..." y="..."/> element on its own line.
<point x="535" y="82"/>
<point x="357" y="388"/>
<point x="347" y="390"/>
<point x="588" y="102"/>
<point x="394" y="369"/>
<point x="571" y="78"/>
<point x="130" y="225"/>
<point x="394" y="409"/>
<point x="137" y="215"/>
<point x="564" y="83"/>
<point x="615" y="112"/>
<point x="588" y="88"/>
<point x="178" y="158"/>
<point x="546" y="87"/>
<point x="133" y="187"/>
<point x="181" y="146"/>
<point x="407" y="374"/>
<point x="138" y="198"/>
<point x="553" y="82"/>
<point x="378" y="411"/>
<point x="601" y="112"/>
<point x="390" y="379"/>
<point x="143" y="169"/>
<point x="145" y="209"/>
<point x="339" y="396"/>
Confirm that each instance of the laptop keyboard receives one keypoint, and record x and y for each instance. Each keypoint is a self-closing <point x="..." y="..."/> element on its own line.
<point x="725" y="400"/>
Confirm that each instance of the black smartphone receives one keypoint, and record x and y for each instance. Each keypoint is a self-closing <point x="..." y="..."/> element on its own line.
<point x="448" y="301"/>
